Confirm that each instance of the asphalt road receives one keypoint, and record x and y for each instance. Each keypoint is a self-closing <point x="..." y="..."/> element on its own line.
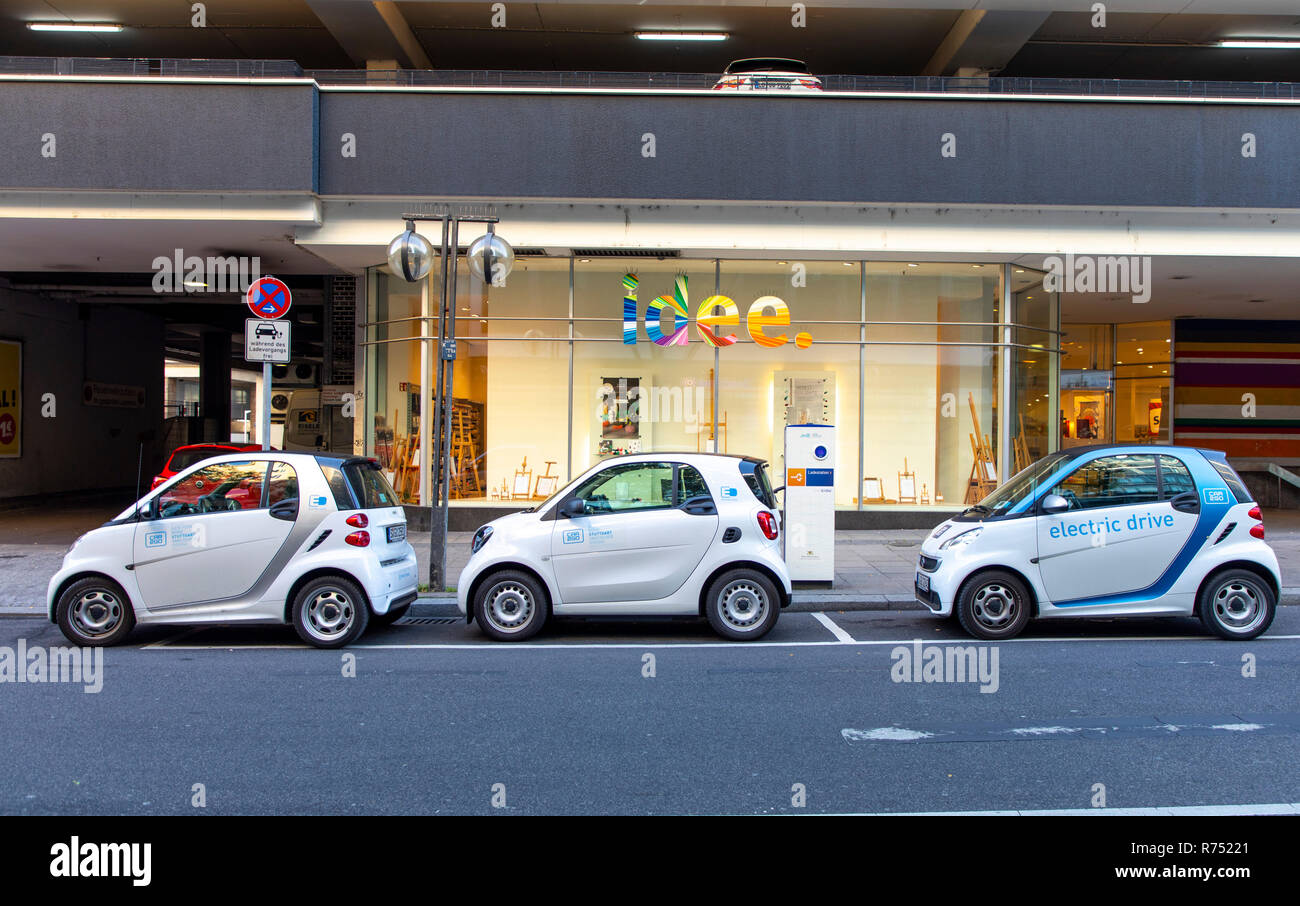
<point x="436" y="717"/>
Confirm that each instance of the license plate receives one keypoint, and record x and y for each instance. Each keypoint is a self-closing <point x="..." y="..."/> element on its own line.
<point x="923" y="582"/>
<point x="396" y="533"/>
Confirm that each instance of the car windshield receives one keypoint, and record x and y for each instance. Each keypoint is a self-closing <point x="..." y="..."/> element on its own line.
<point x="1024" y="483"/>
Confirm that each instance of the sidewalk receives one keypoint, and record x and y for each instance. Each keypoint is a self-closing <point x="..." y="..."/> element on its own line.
<point x="873" y="569"/>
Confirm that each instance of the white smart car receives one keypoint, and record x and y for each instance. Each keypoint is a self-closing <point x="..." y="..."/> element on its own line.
<point x="648" y="535"/>
<point x="1107" y="531"/>
<point x="314" y="540"/>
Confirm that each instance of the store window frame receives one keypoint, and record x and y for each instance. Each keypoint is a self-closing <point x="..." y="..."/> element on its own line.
<point x="1004" y="343"/>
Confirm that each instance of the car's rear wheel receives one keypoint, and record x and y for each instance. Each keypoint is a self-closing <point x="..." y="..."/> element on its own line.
<point x="993" y="605"/>
<point x="510" y="606"/>
<point x="742" y="605"/>
<point x="94" y="612"/>
<point x="1237" y="604"/>
<point x="330" y="612"/>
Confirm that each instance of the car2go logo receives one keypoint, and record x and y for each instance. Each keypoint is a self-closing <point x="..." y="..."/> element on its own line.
<point x="765" y="311"/>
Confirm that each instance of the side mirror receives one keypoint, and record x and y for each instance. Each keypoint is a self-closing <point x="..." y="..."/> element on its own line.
<point x="1055" y="503"/>
<point x="574" y="506"/>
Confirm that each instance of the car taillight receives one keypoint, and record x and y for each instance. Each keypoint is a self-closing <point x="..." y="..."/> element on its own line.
<point x="358" y="539"/>
<point x="157" y="480"/>
<point x="767" y="522"/>
<point x="1256" y="531"/>
<point x="358" y="520"/>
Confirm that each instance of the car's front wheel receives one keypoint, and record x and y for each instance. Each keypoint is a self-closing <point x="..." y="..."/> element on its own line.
<point x="330" y="612"/>
<point x="993" y="605"/>
<point x="1237" y="604"/>
<point x="94" y="612"/>
<point x="510" y="606"/>
<point x="742" y="605"/>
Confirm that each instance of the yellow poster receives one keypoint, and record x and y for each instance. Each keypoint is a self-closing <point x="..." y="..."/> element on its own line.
<point x="11" y="398"/>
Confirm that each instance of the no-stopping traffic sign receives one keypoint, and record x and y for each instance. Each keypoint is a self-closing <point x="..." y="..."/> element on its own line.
<point x="268" y="298"/>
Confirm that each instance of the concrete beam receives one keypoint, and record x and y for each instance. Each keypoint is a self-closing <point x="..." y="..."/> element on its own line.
<point x="369" y="30"/>
<point x="983" y="41"/>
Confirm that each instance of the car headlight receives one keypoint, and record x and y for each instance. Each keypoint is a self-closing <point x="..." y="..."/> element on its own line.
<point x="480" y="538"/>
<point x="961" y="540"/>
<point x="73" y="547"/>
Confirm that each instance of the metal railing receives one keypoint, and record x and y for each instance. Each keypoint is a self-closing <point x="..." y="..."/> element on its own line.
<point x="639" y="81"/>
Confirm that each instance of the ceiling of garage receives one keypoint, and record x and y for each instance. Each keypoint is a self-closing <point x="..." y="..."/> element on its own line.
<point x="1166" y="39"/>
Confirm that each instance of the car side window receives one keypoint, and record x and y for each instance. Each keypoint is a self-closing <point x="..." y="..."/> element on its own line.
<point x="1175" y="479"/>
<point x="1119" y="480"/>
<point x="283" y="485"/>
<point x="222" y="487"/>
<point x="690" y="483"/>
<point x="634" y="486"/>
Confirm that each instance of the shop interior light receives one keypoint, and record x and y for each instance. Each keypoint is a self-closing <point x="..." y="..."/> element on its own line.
<point x="1260" y="44"/>
<point x="682" y="35"/>
<point x="74" y="26"/>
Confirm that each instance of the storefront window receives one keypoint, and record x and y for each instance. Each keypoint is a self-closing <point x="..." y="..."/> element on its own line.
<point x="643" y="396"/>
<point x="1143" y="367"/>
<point x="1087" y="391"/>
<point x="764" y="389"/>
<point x="1033" y="388"/>
<point x="924" y="402"/>
<point x="550" y="379"/>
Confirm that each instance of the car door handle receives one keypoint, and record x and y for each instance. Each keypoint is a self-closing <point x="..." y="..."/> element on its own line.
<point x="700" y="506"/>
<point x="285" y="509"/>
<point x="1187" y="502"/>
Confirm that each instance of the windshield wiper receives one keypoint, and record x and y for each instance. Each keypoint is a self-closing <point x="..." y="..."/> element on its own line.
<point x="979" y="507"/>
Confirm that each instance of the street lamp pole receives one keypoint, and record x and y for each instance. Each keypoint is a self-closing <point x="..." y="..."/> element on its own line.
<point x="409" y="255"/>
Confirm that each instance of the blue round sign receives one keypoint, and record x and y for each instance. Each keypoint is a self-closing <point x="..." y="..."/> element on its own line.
<point x="820" y="452"/>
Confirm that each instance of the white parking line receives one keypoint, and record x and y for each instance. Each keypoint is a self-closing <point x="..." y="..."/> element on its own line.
<point x="735" y="646"/>
<point x="835" y="630"/>
<point x="1266" y="808"/>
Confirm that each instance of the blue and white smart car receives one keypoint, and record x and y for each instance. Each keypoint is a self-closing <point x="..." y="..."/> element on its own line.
<point x="1136" y="530"/>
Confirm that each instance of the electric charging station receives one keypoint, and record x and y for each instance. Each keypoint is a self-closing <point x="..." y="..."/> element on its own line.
<point x="810" y="502"/>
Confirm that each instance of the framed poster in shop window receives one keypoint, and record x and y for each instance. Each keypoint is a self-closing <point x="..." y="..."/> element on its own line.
<point x="11" y="399"/>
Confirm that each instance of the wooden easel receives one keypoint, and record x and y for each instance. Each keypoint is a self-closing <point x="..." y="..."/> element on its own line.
<point x="982" y="481"/>
<point x="523" y="486"/>
<point x="722" y="424"/>
<point x="541" y="490"/>
<point x="1020" y="447"/>
<point x="464" y="458"/>
<point x="910" y="496"/>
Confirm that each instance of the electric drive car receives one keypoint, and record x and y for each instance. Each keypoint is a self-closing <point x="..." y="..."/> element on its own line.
<point x="647" y="535"/>
<point x="267" y="537"/>
<point x="1107" y="531"/>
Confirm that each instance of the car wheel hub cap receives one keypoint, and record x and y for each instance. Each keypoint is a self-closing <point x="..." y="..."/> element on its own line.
<point x="510" y="607"/>
<point x="743" y="604"/>
<point x="330" y="613"/>
<point x="1237" y="605"/>
<point x="97" y="612"/>
<point x="995" y="606"/>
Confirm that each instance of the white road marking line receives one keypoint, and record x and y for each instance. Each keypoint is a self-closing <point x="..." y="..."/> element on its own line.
<point x="735" y="646"/>
<point x="835" y="630"/>
<point x="1267" y="808"/>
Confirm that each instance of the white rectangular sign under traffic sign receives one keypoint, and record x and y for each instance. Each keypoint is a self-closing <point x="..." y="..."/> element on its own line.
<point x="266" y="341"/>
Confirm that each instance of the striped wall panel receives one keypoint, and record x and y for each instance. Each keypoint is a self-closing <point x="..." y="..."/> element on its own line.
<point x="1216" y="364"/>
